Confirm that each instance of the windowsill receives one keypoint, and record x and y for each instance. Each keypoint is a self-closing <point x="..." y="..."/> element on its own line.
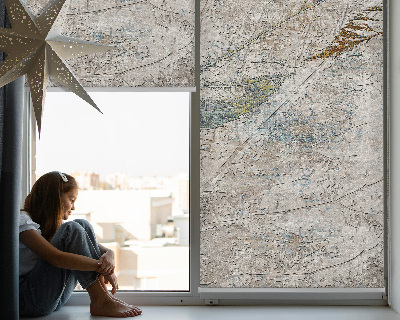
<point x="244" y="297"/>
<point x="241" y="312"/>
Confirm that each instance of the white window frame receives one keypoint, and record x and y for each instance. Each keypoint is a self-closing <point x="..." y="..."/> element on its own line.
<point x="222" y="296"/>
<point x="149" y="297"/>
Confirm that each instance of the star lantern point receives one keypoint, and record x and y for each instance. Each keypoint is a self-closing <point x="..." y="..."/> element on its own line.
<point x="36" y="48"/>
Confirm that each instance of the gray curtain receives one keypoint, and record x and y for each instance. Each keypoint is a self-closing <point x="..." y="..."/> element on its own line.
<point x="11" y="111"/>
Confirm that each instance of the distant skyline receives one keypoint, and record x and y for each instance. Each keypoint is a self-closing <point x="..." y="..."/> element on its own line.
<point x="140" y="133"/>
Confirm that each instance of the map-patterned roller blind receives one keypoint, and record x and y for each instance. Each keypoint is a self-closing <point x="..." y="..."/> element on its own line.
<point x="292" y="144"/>
<point x="154" y="40"/>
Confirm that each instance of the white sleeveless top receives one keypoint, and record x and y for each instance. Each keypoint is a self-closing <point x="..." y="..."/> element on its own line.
<point x="27" y="258"/>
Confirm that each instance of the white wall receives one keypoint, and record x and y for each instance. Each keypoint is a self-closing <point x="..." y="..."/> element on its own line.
<point x="394" y="71"/>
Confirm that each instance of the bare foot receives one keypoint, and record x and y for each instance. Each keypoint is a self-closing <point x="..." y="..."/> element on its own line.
<point x="101" y="279"/>
<point x="138" y="310"/>
<point x="109" y="307"/>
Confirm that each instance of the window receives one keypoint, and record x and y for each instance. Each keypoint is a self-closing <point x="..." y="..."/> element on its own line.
<point x="236" y="87"/>
<point x="132" y="166"/>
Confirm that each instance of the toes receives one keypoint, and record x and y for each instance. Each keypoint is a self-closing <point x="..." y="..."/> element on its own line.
<point x="133" y="313"/>
<point x="128" y="314"/>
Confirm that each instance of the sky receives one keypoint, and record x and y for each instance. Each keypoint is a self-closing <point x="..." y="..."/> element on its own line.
<point x="140" y="133"/>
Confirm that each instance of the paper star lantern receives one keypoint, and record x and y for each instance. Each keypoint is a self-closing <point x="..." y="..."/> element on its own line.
<point x="35" y="47"/>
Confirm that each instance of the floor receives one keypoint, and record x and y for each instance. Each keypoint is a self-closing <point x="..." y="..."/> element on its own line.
<point x="238" y="312"/>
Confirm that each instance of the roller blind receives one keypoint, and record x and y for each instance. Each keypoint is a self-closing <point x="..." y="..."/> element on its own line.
<point x="292" y="154"/>
<point x="154" y="41"/>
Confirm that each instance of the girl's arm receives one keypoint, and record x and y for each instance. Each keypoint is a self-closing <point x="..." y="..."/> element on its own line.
<point x="65" y="260"/>
<point x="108" y="266"/>
<point x="103" y="249"/>
<point x="107" y="260"/>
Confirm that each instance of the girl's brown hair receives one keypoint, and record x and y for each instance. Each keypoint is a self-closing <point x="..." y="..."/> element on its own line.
<point x="43" y="204"/>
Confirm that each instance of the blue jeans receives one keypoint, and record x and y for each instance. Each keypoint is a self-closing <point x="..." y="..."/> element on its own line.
<point x="47" y="288"/>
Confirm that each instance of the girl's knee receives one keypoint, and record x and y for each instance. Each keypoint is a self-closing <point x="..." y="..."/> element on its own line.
<point x="77" y="228"/>
<point x="85" y="225"/>
<point x="72" y="226"/>
<point x="67" y="232"/>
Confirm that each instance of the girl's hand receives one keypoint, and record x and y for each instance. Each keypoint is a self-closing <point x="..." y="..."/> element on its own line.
<point x="107" y="263"/>
<point x="112" y="279"/>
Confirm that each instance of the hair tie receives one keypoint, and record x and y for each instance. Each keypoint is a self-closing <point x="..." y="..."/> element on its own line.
<point x="63" y="177"/>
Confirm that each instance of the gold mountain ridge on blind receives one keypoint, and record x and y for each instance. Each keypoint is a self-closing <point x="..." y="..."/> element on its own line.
<point x="355" y="32"/>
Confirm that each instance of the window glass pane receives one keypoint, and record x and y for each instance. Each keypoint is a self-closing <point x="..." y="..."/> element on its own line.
<point x="292" y="144"/>
<point x="132" y="165"/>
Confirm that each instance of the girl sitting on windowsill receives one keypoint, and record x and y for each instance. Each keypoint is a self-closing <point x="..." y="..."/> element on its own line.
<point x="54" y="256"/>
